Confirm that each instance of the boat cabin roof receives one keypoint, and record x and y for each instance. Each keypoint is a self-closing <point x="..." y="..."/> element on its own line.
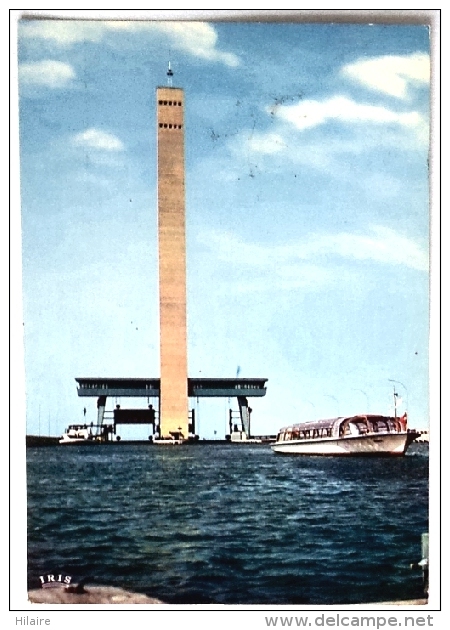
<point x="331" y="422"/>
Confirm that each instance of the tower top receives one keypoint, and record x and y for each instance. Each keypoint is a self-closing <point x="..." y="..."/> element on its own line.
<point x="169" y="75"/>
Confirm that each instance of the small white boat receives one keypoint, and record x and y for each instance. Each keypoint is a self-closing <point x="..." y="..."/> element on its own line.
<point x="240" y="437"/>
<point x="77" y="434"/>
<point x="168" y="441"/>
<point x="353" y="435"/>
<point x="175" y="438"/>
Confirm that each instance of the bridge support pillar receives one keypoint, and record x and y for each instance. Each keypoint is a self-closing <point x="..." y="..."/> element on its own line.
<point x="101" y="404"/>
<point x="244" y="411"/>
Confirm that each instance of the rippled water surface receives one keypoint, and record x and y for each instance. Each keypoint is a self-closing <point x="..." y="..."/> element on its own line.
<point x="229" y="524"/>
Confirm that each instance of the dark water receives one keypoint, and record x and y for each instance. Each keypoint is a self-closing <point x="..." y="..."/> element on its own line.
<point x="229" y="524"/>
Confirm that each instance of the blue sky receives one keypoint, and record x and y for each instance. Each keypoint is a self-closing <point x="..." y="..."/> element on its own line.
<point x="307" y="208"/>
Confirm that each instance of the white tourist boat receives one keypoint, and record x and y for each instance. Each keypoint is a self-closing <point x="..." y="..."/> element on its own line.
<point x="352" y="435"/>
<point x="175" y="438"/>
<point x="168" y="441"/>
<point x="77" y="434"/>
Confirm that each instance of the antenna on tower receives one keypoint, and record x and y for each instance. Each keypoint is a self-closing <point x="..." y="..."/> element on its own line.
<point x="169" y="76"/>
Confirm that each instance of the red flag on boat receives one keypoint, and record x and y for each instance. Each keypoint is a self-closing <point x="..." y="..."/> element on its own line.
<point x="404" y="421"/>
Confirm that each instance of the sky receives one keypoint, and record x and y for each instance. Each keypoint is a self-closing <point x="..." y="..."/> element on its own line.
<point x="307" y="213"/>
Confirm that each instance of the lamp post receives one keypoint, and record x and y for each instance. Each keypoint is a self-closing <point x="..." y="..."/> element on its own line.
<point x="335" y="399"/>
<point x="395" y="394"/>
<point x="312" y="404"/>
<point x="367" y="397"/>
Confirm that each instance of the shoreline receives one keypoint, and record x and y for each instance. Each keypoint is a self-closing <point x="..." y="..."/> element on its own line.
<point x="114" y="595"/>
<point x="35" y="440"/>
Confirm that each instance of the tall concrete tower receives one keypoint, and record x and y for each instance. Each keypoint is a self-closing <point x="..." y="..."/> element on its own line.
<point x="172" y="261"/>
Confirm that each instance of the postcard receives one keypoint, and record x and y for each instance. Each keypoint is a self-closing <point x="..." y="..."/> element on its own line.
<point x="225" y="313"/>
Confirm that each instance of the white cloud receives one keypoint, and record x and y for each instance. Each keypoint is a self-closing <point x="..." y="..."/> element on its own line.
<point x="311" y="113"/>
<point x="198" y="39"/>
<point x="61" y="32"/>
<point x="379" y="245"/>
<point x="362" y="128"/>
<point x="97" y="139"/>
<point x="266" y="143"/>
<point x="48" y="73"/>
<point x="391" y="74"/>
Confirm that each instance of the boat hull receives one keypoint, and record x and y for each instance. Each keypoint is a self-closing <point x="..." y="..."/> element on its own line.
<point x="380" y="444"/>
<point x="77" y="441"/>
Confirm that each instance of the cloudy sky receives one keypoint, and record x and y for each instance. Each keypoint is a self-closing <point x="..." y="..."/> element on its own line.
<point x="307" y="209"/>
